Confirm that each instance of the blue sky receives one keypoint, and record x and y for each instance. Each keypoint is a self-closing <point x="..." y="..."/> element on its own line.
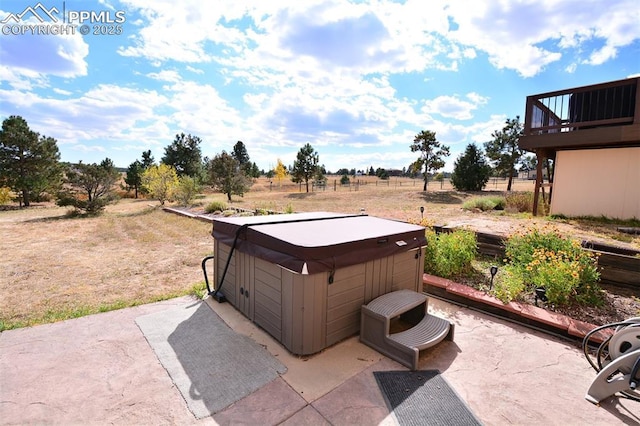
<point x="357" y="80"/>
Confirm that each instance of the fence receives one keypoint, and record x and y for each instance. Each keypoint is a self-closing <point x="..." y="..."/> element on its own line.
<point x="372" y="182"/>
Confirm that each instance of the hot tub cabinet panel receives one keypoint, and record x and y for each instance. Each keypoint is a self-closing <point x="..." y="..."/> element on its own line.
<point x="308" y="312"/>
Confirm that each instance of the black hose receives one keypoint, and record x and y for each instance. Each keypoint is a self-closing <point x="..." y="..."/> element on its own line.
<point x="204" y="271"/>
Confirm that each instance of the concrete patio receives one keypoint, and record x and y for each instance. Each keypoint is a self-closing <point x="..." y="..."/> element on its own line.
<point x="100" y="369"/>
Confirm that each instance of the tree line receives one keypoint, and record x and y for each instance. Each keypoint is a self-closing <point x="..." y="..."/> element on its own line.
<point x="30" y="167"/>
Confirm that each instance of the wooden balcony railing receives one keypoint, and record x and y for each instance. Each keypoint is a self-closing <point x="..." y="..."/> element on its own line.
<point x="608" y="104"/>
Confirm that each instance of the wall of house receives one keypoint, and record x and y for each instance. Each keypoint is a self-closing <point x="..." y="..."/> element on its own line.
<point x="597" y="182"/>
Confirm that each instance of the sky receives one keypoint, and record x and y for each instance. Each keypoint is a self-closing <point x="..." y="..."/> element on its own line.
<point x="357" y="80"/>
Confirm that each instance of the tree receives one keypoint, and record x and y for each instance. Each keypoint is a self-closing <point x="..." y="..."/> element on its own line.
<point x="184" y="155"/>
<point x="528" y="162"/>
<point x="470" y="171"/>
<point x="280" y="171"/>
<point x="254" y="171"/>
<point x="431" y="154"/>
<point x="133" y="178"/>
<point x="305" y="167"/>
<point x="186" y="190"/>
<point x="504" y="151"/>
<point x="382" y="173"/>
<point x="89" y="187"/>
<point x="160" y="181"/>
<point x="147" y="160"/>
<point x="226" y="176"/>
<point x="29" y="163"/>
<point x="240" y="154"/>
<point x="5" y="195"/>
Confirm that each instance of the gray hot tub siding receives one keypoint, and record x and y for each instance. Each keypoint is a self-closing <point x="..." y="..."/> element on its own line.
<point x="304" y="311"/>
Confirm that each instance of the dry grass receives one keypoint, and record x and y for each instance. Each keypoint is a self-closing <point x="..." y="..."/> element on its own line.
<point x="55" y="266"/>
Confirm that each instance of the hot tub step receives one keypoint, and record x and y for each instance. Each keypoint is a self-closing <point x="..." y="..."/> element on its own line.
<point x="429" y="332"/>
<point x="404" y="347"/>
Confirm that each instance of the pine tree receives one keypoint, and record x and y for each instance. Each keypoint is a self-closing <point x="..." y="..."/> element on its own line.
<point x="29" y="163"/>
<point x="470" y="171"/>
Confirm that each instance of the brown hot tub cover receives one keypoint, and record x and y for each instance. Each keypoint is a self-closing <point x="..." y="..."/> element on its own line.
<point x="308" y="243"/>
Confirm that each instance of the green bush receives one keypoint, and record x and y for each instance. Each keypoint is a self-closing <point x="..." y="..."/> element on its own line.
<point x="521" y="202"/>
<point x="186" y="190"/>
<point x="215" y="206"/>
<point x="546" y="258"/>
<point x="486" y="203"/>
<point x="509" y="285"/>
<point x="449" y="254"/>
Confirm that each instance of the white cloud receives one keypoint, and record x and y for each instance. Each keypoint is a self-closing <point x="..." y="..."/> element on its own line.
<point x="380" y="37"/>
<point x="512" y="34"/>
<point x="106" y="112"/>
<point x="32" y="57"/>
<point x="62" y="92"/>
<point x="165" y="75"/>
<point x="453" y="106"/>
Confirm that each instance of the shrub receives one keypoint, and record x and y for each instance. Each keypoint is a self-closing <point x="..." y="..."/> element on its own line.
<point x="289" y="208"/>
<point x="510" y="284"/>
<point x="215" y="206"/>
<point x="485" y="203"/>
<point x="548" y="259"/>
<point x="450" y="254"/>
<point x="521" y="202"/>
<point x="89" y="187"/>
<point x="344" y="180"/>
<point x="5" y="195"/>
<point x="186" y="190"/>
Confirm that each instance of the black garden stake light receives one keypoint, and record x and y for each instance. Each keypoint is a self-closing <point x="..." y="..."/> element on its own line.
<point x="421" y="212"/>
<point x="541" y="293"/>
<point x="494" y="271"/>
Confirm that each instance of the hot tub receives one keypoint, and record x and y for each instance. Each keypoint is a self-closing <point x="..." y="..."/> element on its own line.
<point x="304" y="277"/>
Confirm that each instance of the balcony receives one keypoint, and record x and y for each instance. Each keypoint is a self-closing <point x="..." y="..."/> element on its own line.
<point x="597" y="116"/>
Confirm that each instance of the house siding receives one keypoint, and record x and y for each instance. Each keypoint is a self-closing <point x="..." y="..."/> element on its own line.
<point x="597" y="182"/>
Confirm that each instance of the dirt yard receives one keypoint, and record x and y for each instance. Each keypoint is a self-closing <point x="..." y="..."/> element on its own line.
<point x="55" y="265"/>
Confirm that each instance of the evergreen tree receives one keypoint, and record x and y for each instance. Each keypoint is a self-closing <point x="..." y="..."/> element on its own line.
<point x="470" y="171"/>
<point x="504" y="151"/>
<point x="226" y="176"/>
<point x="240" y="153"/>
<point x="431" y="152"/>
<point x="305" y="167"/>
<point x="29" y="163"/>
<point x="184" y="155"/>
<point x="133" y="178"/>
<point x="147" y="160"/>
<point x="89" y="187"/>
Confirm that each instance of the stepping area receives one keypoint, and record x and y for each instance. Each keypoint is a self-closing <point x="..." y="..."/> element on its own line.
<point x="403" y="346"/>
